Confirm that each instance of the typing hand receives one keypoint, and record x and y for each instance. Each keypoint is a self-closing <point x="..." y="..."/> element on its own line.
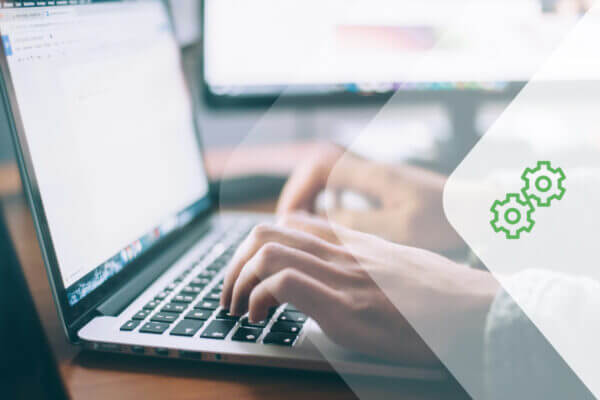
<point x="407" y="201"/>
<point x="364" y="292"/>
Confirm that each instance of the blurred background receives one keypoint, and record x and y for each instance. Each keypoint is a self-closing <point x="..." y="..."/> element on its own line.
<point x="278" y="76"/>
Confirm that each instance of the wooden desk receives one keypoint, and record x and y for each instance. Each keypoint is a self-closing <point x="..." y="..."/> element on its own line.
<point x="103" y="376"/>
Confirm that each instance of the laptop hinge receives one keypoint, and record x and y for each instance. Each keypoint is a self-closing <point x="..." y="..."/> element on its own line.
<point x="123" y="297"/>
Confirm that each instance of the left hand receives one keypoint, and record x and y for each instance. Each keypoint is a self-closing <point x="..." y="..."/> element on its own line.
<point x="355" y="285"/>
<point x="408" y="199"/>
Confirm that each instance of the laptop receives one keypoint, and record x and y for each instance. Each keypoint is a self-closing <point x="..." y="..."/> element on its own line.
<point x="106" y="139"/>
<point x="27" y="368"/>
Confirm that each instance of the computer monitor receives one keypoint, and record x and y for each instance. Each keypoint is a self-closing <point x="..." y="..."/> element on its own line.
<point x="186" y="21"/>
<point x="265" y="48"/>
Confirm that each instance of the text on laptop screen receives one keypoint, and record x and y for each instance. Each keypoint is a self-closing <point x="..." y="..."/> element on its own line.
<point x="109" y="125"/>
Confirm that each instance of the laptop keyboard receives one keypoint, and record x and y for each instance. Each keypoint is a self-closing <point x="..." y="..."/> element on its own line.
<point x="190" y="307"/>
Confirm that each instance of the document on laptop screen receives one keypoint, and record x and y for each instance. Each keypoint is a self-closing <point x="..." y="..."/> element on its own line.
<point x="109" y="126"/>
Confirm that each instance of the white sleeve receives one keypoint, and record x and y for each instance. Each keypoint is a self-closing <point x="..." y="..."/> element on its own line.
<point x="520" y="363"/>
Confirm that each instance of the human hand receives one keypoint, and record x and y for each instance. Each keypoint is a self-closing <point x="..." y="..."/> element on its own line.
<point x="366" y="294"/>
<point x="408" y="199"/>
<point x="308" y="180"/>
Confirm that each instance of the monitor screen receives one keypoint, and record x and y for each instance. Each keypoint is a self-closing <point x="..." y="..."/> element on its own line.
<point x="264" y="47"/>
<point x="186" y="19"/>
<point x="109" y="126"/>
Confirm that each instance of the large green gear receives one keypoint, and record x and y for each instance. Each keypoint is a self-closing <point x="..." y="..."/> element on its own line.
<point x="512" y="216"/>
<point x="543" y="184"/>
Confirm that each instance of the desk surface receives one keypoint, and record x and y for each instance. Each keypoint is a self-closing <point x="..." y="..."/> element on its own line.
<point x="91" y="375"/>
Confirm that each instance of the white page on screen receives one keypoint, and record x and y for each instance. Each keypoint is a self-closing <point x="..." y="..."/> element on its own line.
<point x="109" y="124"/>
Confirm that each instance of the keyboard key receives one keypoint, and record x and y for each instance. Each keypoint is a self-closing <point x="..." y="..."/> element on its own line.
<point x="181" y="298"/>
<point x="224" y="314"/>
<point x="154" y="327"/>
<point x="259" y="324"/>
<point x="171" y="287"/>
<point x="213" y="296"/>
<point x="282" y="339"/>
<point x="151" y="305"/>
<point x="216" y="266"/>
<point x="222" y="261"/>
<point x="140" y="315"/>
<point x="130" y="325"/>
<point x="191" y="290"/>
<point x="286" y="327"/>
<point x="201" y="315"/>
<point x="207" y="274"/>
<point x="187" y="327"/>
<point x="180" y="278"/>
<point x="207" y="304"/>
<point x="191" y="293"/>
<point x="164" y="317"/>
<point x="227" y="254"/>
<point x="201" y="259"/>
<point x="293" y="316"/>
<point x="185" y="273"/>
<point x="161" y="296"/>
<point x="231" y="250"/>
<point x="247" y="335"/>
<point x="201" y="282"/>
<point x="174" y="307"/>
<point x="218" y="329"/>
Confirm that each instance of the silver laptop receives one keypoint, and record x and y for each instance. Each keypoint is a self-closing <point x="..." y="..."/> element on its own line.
<point x="108" y="149"/>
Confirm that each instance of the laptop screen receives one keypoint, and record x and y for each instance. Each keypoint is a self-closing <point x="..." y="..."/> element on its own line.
<point x="108" y="122"/>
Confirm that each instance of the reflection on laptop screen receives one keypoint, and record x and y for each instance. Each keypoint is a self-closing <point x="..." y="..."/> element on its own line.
<point x="109" y="126"/>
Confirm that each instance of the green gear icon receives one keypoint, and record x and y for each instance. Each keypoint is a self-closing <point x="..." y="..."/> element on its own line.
<point x="543" y="184"/>
<point x="512" y="216"/>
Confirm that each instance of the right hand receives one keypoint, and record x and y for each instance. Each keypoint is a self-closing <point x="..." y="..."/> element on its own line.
<point x="409" y="199"/>
<point x="367" y="294"/>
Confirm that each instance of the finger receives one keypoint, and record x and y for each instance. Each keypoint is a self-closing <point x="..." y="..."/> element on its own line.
<point x="302" y="188"/>
<point x="271" y="259"/>
<point x="308" y="180"/>
<point x="263" y="234"/>
<point x="314" y="225"/>
<point x="292" y="286"/>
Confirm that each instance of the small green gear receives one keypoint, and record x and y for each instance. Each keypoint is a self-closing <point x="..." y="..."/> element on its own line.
<point x="512" y="216"/>
<point x="543" y="184"/>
